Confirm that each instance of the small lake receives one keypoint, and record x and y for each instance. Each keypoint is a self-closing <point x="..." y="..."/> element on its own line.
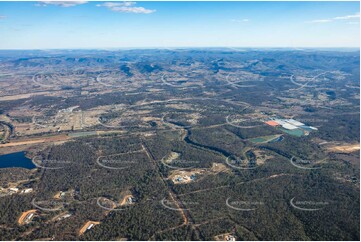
<point x="17" y="159"/>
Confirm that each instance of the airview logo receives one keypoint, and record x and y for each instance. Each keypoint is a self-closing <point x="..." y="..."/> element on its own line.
<point x="39" y="162"/>
<point x="307" y="205"/>
<point x="243" y="205"/>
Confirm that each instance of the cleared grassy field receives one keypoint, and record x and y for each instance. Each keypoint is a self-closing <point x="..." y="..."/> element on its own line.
<point x="264" y="139"/>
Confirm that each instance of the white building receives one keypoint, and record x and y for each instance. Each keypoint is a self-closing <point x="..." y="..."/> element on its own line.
<point x="13" y="189"/>
<point x="294" y="122"/>
<point x="279" y="121"/>
<point x="230" y="238"/>
<point x="289" y="126"/>
<point x="27" y="190"/>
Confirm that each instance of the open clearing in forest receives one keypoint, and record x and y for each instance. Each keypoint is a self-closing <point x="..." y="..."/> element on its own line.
<point x="86" y="226"/>
<point x="24" y="215"/>
<point x="344" y="148"/>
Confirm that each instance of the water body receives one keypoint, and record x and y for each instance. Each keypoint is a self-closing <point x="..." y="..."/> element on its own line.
<point x="17" y="159"/>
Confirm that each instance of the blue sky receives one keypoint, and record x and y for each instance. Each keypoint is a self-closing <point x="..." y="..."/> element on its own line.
<point x="43" y="25"/>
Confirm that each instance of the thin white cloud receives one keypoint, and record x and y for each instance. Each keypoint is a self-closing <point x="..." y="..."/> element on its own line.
<point x="320" y="21"/>
<point x="3" y="17"/>
<point x="357" y="15"/>
<point x="64" y="4"/>
<point x="347" y="17"/>
<point x="125" y="7"/>
<point x="240" y="20"/>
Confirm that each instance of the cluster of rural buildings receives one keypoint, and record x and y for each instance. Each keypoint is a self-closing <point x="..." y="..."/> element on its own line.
<point x="184" y="178"/>
<point x="14" y="190"/>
